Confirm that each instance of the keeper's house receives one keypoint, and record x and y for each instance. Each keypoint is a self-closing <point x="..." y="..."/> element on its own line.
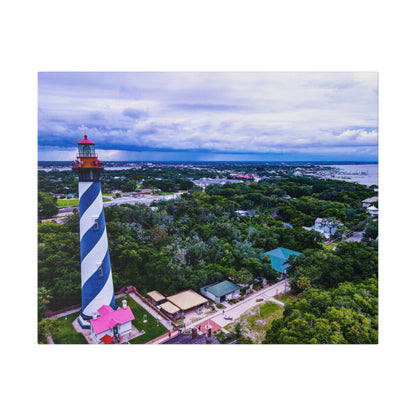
<point x="279" y="258"/>
<point x="220" y="292"/>
<point x="111" y="323"/>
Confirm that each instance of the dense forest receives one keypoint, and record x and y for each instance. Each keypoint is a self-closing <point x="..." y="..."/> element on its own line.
<point x="201" y="239"/>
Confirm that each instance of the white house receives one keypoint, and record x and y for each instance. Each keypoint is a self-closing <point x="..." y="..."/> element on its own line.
<point x="367" y="202"/>
<point x="244" y="213"/>
<point x="326" y="227"/>
<point x="111" y="323"/>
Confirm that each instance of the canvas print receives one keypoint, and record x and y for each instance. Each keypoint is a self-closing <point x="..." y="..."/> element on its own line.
<point x="207" y="208"/>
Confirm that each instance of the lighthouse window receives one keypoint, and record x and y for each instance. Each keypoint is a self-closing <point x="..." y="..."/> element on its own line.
<point x="96" y="226"/>
<point x="100" y="271"/>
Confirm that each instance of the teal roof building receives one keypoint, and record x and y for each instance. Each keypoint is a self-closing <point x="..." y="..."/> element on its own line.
<point x="279" y="258"/>
<point x="221" y="291"/>
<point x="223" y="288"/>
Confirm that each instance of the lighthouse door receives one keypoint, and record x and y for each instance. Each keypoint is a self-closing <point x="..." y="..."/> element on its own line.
<point x="116" y="335"/>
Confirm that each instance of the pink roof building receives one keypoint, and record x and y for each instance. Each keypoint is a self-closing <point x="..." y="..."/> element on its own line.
<point x="110" y="318"/>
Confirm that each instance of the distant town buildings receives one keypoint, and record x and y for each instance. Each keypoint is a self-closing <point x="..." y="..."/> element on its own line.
<point x="143" y="192"/>
<point x="371" y="209"/>
<point x="369" y="201"/>
<point x="325" y="226"/>
<point x="204" y="182"/>
<point x="244" y="213"/>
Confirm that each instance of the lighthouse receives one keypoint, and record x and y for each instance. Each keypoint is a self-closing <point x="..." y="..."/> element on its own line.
<point x="96" y="278"/>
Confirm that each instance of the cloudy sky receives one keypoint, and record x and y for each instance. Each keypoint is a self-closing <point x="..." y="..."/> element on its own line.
<point x="210" y="116"/>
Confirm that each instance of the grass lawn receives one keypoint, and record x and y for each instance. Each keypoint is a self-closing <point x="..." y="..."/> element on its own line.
<point x="152" y="330"/>
<point x="74" y="202"/>
<point x="285" y="298"/>
<point x="256" y="326"/>
<point x="330" y="246"/>
<point x="65" y="332"/>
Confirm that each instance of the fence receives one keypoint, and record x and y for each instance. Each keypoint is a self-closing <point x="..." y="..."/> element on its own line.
<point x="157" y="310"/>
<point x="123" y="290"/>
<point x="50" y="313"/>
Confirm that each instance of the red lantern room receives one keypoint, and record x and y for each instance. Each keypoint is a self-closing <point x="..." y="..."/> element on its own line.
<point x="87" y="164"/>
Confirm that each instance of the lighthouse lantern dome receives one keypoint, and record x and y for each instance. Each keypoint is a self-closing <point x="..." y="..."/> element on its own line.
<point x="86" y="148"/>
<point x="87" y="164"/>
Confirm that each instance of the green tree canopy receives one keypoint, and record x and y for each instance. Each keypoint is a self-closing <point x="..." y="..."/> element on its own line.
<point x="347" y="314"/>
<point x="47" y="206"/>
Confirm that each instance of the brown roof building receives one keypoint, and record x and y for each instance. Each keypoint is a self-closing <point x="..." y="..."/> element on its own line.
<point x="156" y="297"/>
<point x="187" y="299"/>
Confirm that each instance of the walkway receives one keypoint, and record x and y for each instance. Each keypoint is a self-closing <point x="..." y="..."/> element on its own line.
<point x="217" y="320"/>
<point x="86" y="332"/>
<point x="203" y="325"/>
<point x="152" y="312"/>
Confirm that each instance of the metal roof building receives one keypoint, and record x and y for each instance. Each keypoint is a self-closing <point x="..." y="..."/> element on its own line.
<point x="279" y="258"/>
<point x="220" y="291"/>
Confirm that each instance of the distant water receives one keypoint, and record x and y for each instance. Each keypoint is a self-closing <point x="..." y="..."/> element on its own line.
<point x="370" y="179"/>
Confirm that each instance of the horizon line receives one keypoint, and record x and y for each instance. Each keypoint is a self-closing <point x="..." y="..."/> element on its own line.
<point x="223" y="161"/>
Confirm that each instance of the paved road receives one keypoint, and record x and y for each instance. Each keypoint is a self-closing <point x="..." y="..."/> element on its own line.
<point x="142" y="200"/>
<point x="356" y="236"/>
<point x="240" y="308"/>
<point x="152" y="312"/>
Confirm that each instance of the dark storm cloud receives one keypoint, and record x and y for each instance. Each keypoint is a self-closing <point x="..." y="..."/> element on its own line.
<point x="257" y="113"/>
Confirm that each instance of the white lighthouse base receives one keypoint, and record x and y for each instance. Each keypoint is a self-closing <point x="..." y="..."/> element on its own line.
<point x="84" y="323"/>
